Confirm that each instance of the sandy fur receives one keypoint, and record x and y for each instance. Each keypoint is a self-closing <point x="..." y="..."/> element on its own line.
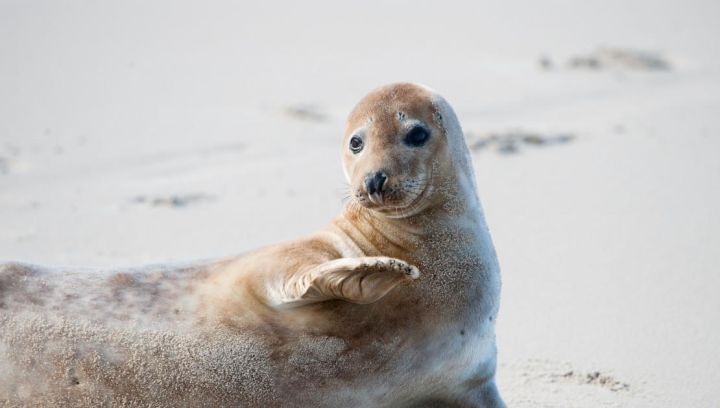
<point x="291" y="324"/>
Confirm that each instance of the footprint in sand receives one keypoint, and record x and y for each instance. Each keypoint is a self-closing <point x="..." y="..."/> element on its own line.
<point x="306" y="112"/>
<point x="611" y="58"/>
<point x="172" y="200"/>
<point x="515" y="141"/>
<point x="545" y="383"/>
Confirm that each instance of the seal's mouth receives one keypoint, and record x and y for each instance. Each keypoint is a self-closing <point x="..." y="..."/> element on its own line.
<point x="399" y="200"/>
<point x="416" y="205"/>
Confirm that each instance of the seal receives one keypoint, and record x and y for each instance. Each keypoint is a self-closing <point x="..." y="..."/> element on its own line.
<point x="393" y="304"/>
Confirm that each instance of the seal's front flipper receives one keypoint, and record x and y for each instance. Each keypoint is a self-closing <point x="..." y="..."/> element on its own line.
<point x="356" y="280"/>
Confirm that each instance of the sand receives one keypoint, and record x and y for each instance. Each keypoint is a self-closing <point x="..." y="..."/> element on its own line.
<point x="135" y="133"/>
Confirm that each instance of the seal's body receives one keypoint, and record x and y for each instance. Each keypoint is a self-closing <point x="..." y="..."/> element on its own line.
<point x="391" y="305"/>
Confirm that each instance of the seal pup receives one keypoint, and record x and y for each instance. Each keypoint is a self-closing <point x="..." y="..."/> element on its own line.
<point x="393" y="304"/>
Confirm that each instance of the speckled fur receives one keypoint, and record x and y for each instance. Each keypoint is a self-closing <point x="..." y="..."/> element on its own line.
<point x="261" y="330"/>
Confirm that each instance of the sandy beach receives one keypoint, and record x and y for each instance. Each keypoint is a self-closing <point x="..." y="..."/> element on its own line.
<point x="134" y="133"/>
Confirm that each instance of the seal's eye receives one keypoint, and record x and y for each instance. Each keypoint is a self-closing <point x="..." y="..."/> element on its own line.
<point x="356" y="144"/>
<point x="417" y="136"/>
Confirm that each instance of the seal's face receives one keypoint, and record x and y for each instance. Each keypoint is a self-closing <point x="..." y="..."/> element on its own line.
<point x="395" y="150"/>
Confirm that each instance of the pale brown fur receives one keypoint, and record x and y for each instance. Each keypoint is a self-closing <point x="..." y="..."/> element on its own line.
<point x="340" y="318"/>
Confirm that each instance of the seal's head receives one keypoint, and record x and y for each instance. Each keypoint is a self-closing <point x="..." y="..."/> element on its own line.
<point x="403" y="151"/>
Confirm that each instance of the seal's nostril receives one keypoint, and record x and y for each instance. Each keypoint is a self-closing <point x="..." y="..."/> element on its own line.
<point x="375" y="182"/>
<point x="380" y="178"/>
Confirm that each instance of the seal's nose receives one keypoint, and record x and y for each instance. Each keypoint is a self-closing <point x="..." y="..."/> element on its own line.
<point x="374" y="182"/>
